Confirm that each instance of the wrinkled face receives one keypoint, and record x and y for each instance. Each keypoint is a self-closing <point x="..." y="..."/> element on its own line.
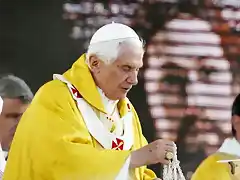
<point x="9" y="118"/>
<point x="117" y="78"/>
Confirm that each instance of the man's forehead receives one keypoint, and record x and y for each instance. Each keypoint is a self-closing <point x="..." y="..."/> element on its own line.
<point x="12" y="101"/>
<point x="131" y="51"/>
<point x="129" y="61"/>
<point x="15" y="103"/>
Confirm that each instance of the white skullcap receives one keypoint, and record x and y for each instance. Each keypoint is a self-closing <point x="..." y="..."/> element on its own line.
<point x="113" y="31"/>
<point x="1" y="104"/>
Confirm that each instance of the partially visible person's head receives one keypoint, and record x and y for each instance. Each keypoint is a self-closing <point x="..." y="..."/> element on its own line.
<point x="16" y="97"/>
<point x="187" y="133"/>
<point x="236" y="117"/>
<point x="188" y="7"/>
<point x="114" y="57"/>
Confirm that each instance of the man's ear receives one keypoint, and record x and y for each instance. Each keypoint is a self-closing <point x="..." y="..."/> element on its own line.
<point x="94" y="63"/>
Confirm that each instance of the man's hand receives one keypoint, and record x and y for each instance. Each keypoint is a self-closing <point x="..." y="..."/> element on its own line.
<point x="152" y="153"/>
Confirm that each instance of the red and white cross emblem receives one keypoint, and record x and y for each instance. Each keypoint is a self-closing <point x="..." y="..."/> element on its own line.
<point x="75" y="92"/>
<point x="118" y="145"/>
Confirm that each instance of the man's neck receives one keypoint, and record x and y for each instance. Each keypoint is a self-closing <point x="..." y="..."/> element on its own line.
<point x="108" y="103"/>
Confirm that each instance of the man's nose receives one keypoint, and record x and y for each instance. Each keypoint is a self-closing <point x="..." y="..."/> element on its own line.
<point x="133" y="78"/>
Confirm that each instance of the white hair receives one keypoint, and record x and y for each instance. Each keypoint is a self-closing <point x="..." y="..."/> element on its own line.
<point x="14" y="87"/>
<point x="108" y="51"/>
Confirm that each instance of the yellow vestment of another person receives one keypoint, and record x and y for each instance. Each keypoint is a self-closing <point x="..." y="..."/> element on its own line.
<point x="52" y="141"/>
<point x="228" y="169"/>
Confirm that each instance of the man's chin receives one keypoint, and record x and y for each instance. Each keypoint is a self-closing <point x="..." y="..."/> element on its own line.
<point x="123" y="94"/>
<point x="119" y="96"/>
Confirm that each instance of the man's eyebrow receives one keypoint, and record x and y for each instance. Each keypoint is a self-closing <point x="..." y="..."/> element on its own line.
<point x="13" y="114"/>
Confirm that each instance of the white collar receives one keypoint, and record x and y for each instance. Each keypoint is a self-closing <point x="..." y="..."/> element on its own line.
<point x="108" y="104"/>
<point x="230" y="146"/>
<point x="2" y="159"/>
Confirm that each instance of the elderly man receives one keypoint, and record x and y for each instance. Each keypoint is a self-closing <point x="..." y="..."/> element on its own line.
<point x="15" y="96"/>
<point x="82" y="126"/>
<point x="224" y="164"/>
